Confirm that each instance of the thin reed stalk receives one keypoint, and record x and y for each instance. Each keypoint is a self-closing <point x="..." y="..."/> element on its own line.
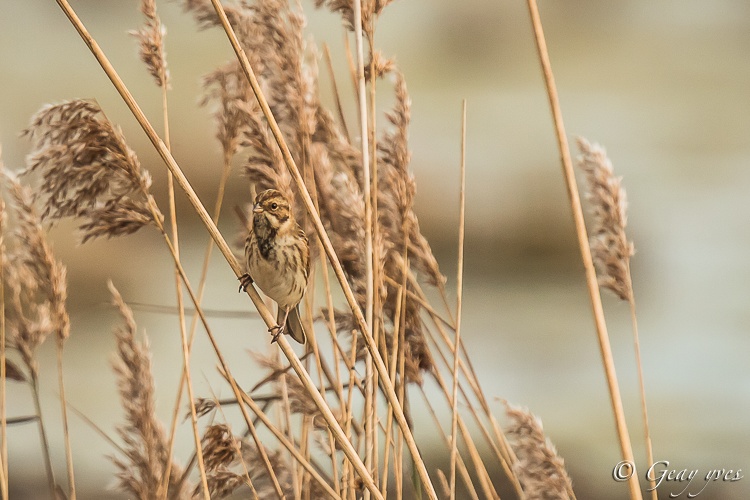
<point x="642" y="388"/>
<point x="370" y="438"/>
<point x="583" y="243"/>
<point x="459" y="296"/>
<point x="64" y="410"/>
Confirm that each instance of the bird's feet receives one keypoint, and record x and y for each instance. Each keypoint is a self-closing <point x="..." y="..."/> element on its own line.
<point x="245" y="281"/>
<point x="277" y="331"/>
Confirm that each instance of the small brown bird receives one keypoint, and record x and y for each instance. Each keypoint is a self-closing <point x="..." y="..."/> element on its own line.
<point x="278" y="260"/>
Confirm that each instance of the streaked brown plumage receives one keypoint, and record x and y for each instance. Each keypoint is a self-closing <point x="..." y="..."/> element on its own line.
<point x="278" y="260"/>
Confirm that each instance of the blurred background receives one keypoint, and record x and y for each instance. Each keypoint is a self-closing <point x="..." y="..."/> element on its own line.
<point x="662" y="85"/>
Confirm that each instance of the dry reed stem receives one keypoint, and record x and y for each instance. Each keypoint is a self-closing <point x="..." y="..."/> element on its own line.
<point x="372" y="347"/>
<point x="285" y="415"/>
<point x="369" y="283"/>
<point x="392" y="366"/>
<point x="378" y="248"/>
<point x="43" y="435"/>
<point x="96" y="428"/>
<point x="423" y="304"/>
<point x="641" y="386"/>
<point x="459" y="296"/>
<point x="484" y="478"/>
<point x="588" y="264"/>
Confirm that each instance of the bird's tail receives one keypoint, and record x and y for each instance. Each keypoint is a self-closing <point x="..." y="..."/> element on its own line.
<point x="293" y="324"/>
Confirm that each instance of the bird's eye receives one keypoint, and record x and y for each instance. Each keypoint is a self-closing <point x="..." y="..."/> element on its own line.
<point x="274" y="206"/>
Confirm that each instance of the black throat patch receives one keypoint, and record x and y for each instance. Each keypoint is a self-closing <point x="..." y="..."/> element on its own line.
<point x="265" y="235"/>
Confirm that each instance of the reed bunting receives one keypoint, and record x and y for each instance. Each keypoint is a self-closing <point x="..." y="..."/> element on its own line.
<point x="278" y="260"/>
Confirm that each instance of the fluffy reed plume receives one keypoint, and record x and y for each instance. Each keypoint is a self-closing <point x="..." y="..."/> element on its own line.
<point x="88" y="171"/>
<point x="225" y="90"/>
<point x="230" y="461"/>
<point x="220" y="448"/>
<point x="370" y="9"/>
<point x="539" y="469"/>
<point x="36" y="280"/>
<point x="400" y="227"/>
<point x="142" y="468"/>
<point x="397" y="189"/>
<point x="265" y="165"/>
<point x="279" y="64"/>
<point x="151" y="44"/>
<point x="610" y="247"/>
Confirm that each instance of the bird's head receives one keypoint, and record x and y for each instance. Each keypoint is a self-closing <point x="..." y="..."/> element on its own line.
<point x="271" y="209"/>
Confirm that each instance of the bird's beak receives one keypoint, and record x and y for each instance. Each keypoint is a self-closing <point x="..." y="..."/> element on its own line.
<point x="257" y="208"/>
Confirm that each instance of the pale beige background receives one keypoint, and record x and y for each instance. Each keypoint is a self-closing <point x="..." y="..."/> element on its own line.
<point x="663" y="85"/>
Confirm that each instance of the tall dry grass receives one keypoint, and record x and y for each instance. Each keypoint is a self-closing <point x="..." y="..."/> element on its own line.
<point x="334" y="422"/>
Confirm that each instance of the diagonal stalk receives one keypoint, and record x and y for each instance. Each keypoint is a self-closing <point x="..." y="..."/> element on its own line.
<point x="583" y="243"/>
<point x="641" y="382"/>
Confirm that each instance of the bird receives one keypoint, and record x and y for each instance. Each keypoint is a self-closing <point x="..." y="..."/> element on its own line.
<point x="277" y="257"/>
